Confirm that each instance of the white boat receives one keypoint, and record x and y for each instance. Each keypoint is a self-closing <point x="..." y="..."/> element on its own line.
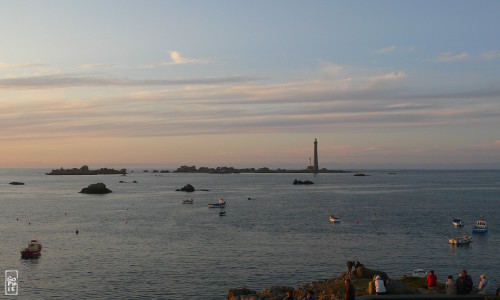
<point x="480" y="227"/>
<point x="461" y="240"/>
<point x="220" y="204"/>
<point x="187" y="201"/>
<point x="458" y="222"/>
<point x="334" y="219"/>
<point x="419" y="273"/>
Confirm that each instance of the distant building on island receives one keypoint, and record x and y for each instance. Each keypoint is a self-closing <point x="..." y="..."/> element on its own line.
<point x="316" y="166"/>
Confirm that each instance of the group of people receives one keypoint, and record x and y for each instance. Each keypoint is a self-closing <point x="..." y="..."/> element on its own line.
<point x="463" y="285"/>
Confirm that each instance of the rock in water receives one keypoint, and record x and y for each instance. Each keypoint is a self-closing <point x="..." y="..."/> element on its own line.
<point x="96" y="188"/>
<point x="187" y="188"/>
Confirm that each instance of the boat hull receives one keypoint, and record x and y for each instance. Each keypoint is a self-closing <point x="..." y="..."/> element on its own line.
<point x="216" y="205"/>
<point x="479" y="230"/>
<point x="461" y="240"/>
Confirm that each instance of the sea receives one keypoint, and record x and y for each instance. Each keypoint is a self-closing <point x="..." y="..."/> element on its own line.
<point x="140" y="242"/>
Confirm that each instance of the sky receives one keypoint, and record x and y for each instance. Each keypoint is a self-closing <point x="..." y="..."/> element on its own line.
<point x="380" y="84"/>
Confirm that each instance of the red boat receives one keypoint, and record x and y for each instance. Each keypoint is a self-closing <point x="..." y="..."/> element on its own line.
<point x="34" y="249"/>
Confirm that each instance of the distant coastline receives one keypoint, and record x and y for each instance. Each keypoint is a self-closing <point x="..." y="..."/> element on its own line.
<point x="84" y="170"/>
<point x="231" y="170"/>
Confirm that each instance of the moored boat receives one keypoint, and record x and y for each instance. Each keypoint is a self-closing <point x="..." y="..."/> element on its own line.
<point x="419" y="273"/>
<point x="460" y="240"/>
<point x="334" y="219"/>
<point x="480" y="227"/>
<point x="187" y="201"/>
<point x="34" y="249"/>
<point x="458" y="222"/>
<point x="220" y="204"/>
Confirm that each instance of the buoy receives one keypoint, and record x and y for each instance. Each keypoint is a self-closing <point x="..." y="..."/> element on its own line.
<point x="77" y="231"/>
<point x="126" y="221"/>
<point x="357" y="221"/>
<point x="65" y="213"/>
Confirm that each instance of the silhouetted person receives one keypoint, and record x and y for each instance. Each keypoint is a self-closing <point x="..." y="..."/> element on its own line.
<point x="349" y="292"/>
<point x="451" y="286"/>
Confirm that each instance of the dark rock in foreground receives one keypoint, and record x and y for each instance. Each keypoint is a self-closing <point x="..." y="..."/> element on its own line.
<point x="96" y="188"/>
<point x="302" y="182"/>
<point x="187" y="188"/>
<point x="16" y="183"/>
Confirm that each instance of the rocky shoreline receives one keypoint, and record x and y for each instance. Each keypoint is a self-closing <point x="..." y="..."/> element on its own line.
<point x="406" y="287"/>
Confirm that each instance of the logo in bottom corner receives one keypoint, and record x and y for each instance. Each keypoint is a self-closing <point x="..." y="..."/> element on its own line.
<point x="11" y="282"/>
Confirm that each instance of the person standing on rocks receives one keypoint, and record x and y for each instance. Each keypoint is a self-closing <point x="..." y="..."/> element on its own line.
<point x="310" y="296"/>
<point x="467" y="282"/>
<point x="350" y="264"/>
<point x="379" y="286"/>
<point x="431" y="280"/>
<point x="451" y="286"/>
<point x="349" y="293"/>
<point x="289" y="295"/>
<point x="483" y="285"/>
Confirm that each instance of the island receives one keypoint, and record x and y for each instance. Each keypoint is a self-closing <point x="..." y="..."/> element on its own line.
<point x="96" y="188"/>
<point x="232" y="170"/>
<point x="84" y="170"/>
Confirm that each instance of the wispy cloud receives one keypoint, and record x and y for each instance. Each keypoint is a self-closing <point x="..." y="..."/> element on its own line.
<point x="385" y="50"/>
<point x="490" y="55"/>
<point x="71" y="80"/>
<point x="178" y="59"/>
<point x="389" y="76"/>
<point x="6" y="66"/>
<point x="451" y="57"/>
<point x="95" y="66"/>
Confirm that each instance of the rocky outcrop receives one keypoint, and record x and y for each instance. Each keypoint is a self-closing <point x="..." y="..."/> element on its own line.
<point x="17" y="183"/>
<point x="295" y="182"/>
<point x="362" y="272"/>
<point x="96" y="188"/>
<point x="84" y="170"/>
<point x="327" y="289"/>
<point x="187" y="188"/>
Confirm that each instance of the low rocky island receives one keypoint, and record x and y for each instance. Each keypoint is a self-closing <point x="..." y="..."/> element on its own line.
<point x="84" y="170"/>
<point x="298" y="182"/>
<point x="232" y="170"/>
<point x="187" y="188"/>
<point x="96" y="188"/>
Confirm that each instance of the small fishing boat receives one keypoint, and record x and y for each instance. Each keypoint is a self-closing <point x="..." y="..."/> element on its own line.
<point x="334" y="219"/>
<point x="419" y="273"/>
<point x="458" y="222"/>
<point x="480" y="227"/>
<point x="460" y="240"/>
<point x="220" y="204"/>
<point x="34" y="249"/>
<point x="187" y="201"/>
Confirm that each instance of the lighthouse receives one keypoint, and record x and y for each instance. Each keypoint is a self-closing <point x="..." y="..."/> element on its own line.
<point x="316" y="167"/>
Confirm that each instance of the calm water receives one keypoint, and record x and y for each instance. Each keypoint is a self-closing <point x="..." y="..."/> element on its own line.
<point x="140" y="241"/>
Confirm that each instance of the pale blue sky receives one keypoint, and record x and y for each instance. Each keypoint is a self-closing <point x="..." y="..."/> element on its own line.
<point x="397" y="84"/>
